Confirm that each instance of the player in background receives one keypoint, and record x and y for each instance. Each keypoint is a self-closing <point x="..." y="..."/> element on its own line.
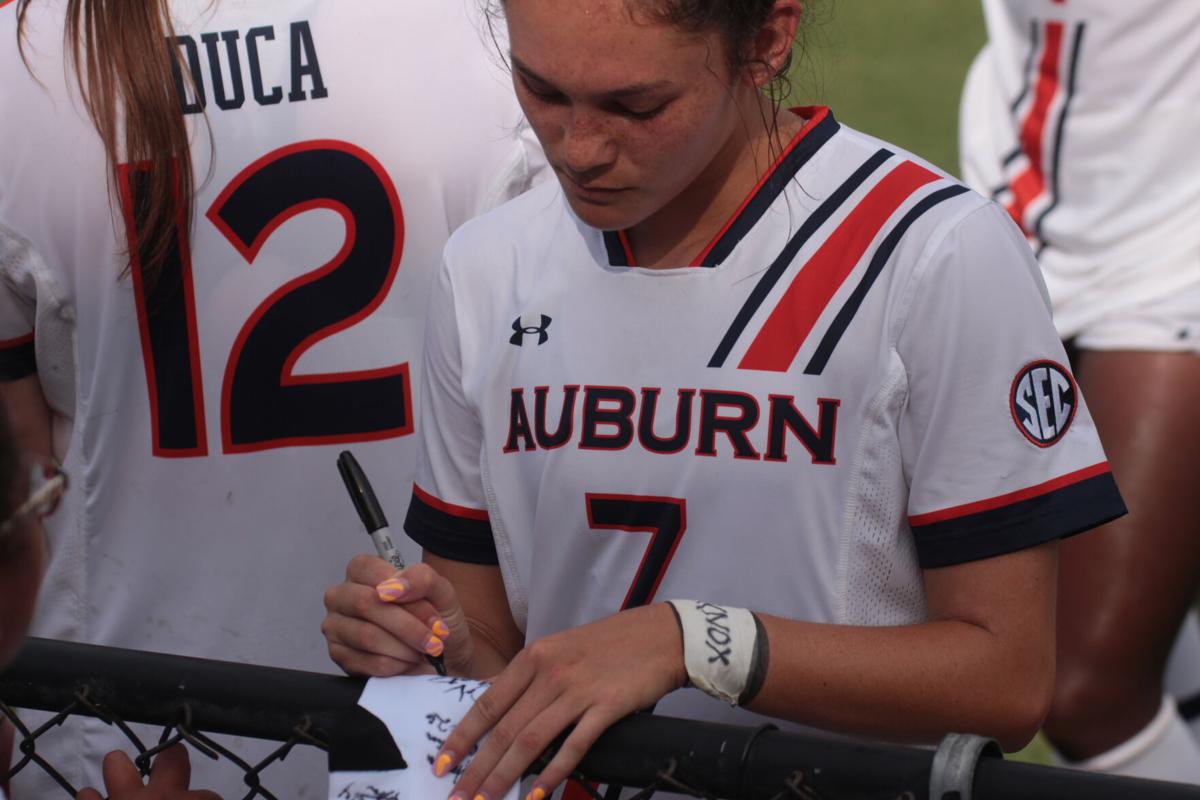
<point x="773" y="364"/>
<point x="214" y="271"/>
<point x="29" y="491"/>
<point x="1079" y="118"/>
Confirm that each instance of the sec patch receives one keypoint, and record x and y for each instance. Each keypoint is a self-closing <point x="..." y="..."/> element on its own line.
<point x="1043" y="401"/>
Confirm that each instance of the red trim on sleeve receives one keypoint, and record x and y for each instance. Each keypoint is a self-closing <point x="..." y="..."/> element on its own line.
<point x="20" y="341"/>
<point x="1012" y="497"/>
<point x="449" y="508"/>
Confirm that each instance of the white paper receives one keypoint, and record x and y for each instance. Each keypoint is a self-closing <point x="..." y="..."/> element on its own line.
<point x="419" y="712"/>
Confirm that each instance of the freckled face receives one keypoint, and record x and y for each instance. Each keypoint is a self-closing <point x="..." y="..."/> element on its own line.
<point x="633" y="114"/>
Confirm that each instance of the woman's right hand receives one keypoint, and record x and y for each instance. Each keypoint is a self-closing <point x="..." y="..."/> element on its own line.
<point x="381" y="622"/>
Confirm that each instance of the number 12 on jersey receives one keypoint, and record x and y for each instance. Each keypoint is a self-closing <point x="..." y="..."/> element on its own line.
<point x="263" y="404"/>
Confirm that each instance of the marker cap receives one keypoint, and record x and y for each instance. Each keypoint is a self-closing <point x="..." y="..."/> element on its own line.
<point x="361" y="494"/>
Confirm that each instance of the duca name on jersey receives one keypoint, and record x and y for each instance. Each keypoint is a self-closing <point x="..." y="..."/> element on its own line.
<point x="234" y="60"/>
<point x="616" y="417"/>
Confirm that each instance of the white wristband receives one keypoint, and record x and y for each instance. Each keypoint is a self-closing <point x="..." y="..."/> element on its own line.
<point x="725" y="650"/>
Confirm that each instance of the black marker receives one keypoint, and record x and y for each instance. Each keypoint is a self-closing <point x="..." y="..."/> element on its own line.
<point x="371" y="514"/>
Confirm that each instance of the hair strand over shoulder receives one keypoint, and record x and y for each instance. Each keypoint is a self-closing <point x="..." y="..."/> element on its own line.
<point x="123" y="58"/>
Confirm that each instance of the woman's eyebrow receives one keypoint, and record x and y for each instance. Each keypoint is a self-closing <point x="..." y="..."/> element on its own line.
<point x="629" y="90"/>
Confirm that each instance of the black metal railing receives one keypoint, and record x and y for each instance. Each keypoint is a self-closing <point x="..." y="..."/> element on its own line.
<point x="191" y="698"/>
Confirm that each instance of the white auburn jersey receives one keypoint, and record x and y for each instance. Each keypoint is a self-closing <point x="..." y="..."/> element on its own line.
<point x="856" y="380"/>
<point x="201" y="427"/>
<point x="1080" y="118"/>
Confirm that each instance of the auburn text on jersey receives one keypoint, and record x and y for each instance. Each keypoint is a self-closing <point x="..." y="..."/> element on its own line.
<point x="617" y="417"/>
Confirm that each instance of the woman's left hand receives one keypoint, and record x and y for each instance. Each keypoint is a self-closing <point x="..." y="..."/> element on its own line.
<point x="589" y="676"/>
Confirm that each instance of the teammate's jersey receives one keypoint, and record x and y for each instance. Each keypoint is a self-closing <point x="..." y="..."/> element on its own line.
<point x="1080" y="117"/>
<point x="856" y="380"/>
<point x="201" y="428"/>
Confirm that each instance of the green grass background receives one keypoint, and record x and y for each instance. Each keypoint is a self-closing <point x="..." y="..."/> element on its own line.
<point x="895" y="69"/>
<point x="892" y="68"/>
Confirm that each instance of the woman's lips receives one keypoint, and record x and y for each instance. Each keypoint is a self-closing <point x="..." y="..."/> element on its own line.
<point x="591" y="191"/>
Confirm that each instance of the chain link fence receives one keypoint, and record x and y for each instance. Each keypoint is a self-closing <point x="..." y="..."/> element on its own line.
<point x="192" y="699"/>
<point x="186" y="699"/>
<point x="183" y="731"/>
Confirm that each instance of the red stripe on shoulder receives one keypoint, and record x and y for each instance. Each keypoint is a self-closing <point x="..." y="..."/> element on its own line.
<point x="782" y="335"/>
<point x="449" y="508"/>
<point x="1012" y="497"/>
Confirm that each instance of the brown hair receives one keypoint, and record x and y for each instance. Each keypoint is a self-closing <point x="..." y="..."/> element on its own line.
<point x="122" y="57"/>
<point x="739" y="22"/>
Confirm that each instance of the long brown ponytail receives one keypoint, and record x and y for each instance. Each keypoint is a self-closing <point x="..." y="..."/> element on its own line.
<point x="122" y="56"/>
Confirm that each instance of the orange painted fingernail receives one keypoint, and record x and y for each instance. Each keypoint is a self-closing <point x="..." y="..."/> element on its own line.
<point x="439" y="628"/>
<point x="435" y="646"/>
<point x="392" y="589"/>
<point x="480" y="796"/>
<point x="537" y="794"/>
<point x="441" y="765"/>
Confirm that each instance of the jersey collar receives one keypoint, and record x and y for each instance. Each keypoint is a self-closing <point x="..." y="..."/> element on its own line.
<point x="821" y="126"/>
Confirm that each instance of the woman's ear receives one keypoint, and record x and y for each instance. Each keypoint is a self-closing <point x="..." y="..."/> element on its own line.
<point x="773" y="44"/>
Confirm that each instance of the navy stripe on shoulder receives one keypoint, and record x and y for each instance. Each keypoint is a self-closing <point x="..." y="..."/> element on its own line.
<point x="17" y="358"/>
<point x="449" y="535"/>
<point x="883" y="253"/>
<point x="801" y="151"/>
<point x="779" y="266"/>
<point x="1058" y="514"/>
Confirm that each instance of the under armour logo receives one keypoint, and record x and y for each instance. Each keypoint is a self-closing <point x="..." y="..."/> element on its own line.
<point x="520" y="330"/>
